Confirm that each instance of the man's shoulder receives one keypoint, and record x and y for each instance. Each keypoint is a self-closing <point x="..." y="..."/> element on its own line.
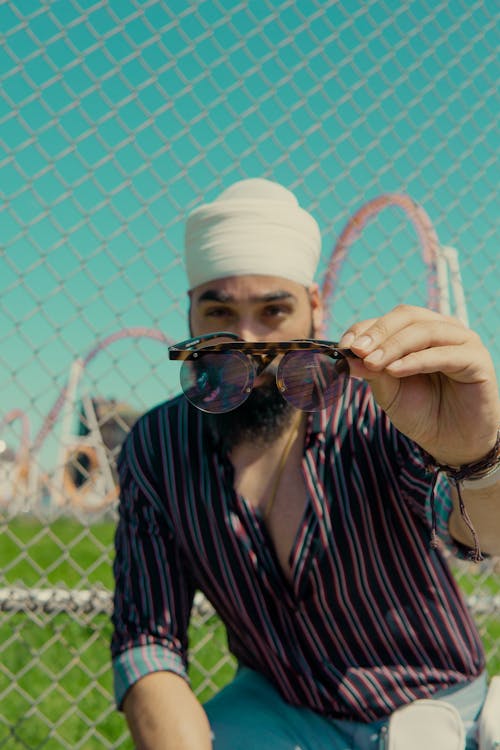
<point x="161" y="416"/>
<point x="154" y="423"/>
<point x="358" y="416"/>
<point x="365" y="421"/>
<point x="165" y="409"/>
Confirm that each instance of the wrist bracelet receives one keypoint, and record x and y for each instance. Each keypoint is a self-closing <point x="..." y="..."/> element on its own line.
<point x="477" y="475"/>
<point x="488" y="479"/>
<point x="474" y="472"/>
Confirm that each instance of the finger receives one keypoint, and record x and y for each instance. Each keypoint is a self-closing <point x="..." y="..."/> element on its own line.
<point x="354" y="332"/>
<point x="385" y="387"/>
<point x="370" y="335"/>
<point x="379" y="352"/>
<point x="417" y="337"/>
<point x="459" y="363"/>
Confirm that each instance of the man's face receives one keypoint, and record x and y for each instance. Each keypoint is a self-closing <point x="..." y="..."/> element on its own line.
<point x="256" y="308"/>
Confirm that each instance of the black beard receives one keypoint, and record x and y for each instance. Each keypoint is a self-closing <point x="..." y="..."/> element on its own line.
<point x="261" y="418"/>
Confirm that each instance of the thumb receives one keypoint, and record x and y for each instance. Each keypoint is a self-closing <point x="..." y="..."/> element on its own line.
<point x="385" y="387"/>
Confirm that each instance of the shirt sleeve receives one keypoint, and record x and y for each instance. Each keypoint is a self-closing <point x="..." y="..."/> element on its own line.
<point x="402" y="463"/>
<point x="153" y="591"/>
<point x="431" y="500"/>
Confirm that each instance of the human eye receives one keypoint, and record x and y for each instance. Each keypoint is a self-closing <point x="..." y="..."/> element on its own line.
<point x="217" y="311"/>
<point x="277" y="310"/>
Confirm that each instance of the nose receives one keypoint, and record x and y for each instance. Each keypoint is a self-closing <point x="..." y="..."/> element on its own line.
<point x="250" y="330"/>
<point x="265" y="369"/>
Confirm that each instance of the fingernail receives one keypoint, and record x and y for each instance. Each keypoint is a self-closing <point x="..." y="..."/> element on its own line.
<point x="395" y="365"/>
<point x="346" y="340"/>
<point x="375" y="356"/>
<point x="363" y="342"/>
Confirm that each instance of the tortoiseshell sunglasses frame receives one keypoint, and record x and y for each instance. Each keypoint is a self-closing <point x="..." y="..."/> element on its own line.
<point x="259" y="354"/>
<point x="266" y="351"/>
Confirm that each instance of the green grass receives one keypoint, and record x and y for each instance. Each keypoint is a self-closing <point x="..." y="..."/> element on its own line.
<point x="55" y="677"/>
<point x="60" y="554"/>
<point x="56" y="685"/>
<point x="61" y="685"/>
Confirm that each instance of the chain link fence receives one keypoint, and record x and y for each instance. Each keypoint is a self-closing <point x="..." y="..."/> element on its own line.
<point x="116" y="118"/>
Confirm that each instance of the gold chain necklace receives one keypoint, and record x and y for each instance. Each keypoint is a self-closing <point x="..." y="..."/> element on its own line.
<point x="279" y="471"/>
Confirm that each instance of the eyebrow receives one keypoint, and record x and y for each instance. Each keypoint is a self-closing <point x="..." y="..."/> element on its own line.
<point x="214" y="295"/>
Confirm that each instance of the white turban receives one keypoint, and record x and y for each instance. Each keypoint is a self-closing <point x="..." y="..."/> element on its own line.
<point x="254" y="227"/>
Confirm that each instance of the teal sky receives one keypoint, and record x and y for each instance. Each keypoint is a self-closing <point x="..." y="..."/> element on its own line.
<point x="117" y="118"/>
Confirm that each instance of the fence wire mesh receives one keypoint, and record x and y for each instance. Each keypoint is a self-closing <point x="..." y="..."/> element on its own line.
<point x="116" y="118"/>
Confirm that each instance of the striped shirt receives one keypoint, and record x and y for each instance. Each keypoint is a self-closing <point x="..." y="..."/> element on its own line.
<point x="372" y="618"/>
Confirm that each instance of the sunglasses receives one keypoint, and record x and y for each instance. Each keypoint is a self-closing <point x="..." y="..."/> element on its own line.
<point x="218" y="370"/>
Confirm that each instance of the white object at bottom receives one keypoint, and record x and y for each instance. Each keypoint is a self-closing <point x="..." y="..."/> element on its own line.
<point x="426" y="725"/>
<point x="489" y="720"/>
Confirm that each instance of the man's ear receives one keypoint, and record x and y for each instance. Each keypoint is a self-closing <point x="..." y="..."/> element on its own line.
<point x="316" y="308"/>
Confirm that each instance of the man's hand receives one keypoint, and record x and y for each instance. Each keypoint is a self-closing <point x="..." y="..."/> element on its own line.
<point x="433" y="377"/>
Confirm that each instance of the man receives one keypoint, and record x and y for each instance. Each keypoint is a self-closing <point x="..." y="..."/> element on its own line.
<point x="309" y="532"/>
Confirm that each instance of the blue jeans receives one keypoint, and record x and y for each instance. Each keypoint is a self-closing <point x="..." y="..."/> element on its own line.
<point x="249" y="714"/>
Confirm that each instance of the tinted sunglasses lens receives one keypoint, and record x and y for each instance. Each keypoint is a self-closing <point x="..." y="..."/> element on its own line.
<point x="310" y="380"/>
<point x="217" y="382"/>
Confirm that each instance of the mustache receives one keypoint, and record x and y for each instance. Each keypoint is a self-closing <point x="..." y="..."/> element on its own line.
<point x="262" y="417"/>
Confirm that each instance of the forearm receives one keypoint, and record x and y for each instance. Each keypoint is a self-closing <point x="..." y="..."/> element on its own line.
<point x="163" y="714"/>
<point x="483" y="508"/>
